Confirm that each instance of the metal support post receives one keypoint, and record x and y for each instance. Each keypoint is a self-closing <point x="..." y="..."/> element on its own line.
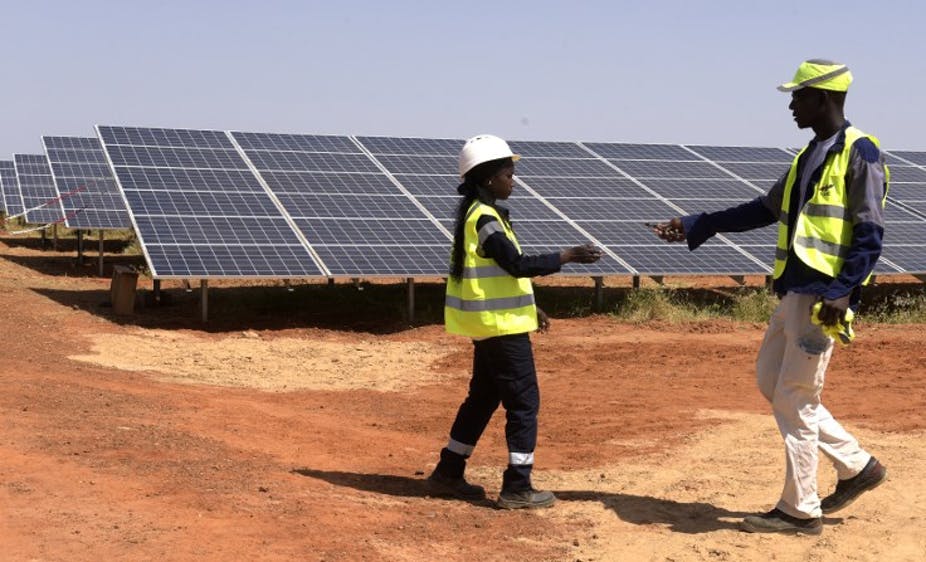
<point x="410" y="285"/>
<point x="599" y="293"/>
<point x="156" y="289"/>
<point x="636" y="281"/>
<point x="204" y="298"/>
<point x="101" y="252"/>
<point x="80" y="247"/>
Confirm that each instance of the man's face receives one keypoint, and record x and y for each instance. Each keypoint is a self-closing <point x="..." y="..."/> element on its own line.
<point x="808" y="106"/>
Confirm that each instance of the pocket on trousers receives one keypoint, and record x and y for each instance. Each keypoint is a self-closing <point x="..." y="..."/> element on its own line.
<point x="813" y="341"/>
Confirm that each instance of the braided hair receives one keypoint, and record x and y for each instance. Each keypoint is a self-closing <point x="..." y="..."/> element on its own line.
<point x="469" y="189"/>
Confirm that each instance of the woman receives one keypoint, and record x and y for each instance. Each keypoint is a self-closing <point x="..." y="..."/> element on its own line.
<point x="490" y="299"/>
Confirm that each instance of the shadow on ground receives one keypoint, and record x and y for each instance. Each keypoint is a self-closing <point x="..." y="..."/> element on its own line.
<point x="679" y="517"/>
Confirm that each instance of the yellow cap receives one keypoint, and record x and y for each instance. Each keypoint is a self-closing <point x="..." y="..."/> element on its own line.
<point x="821" y="74"/>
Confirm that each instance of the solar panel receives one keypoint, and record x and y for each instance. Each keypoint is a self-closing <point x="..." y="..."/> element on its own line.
<point x="9" y="189"/>
<point x="626" y="151"/>
<point x="419" y="146"/>
<point x="199" y="210"/>
<point x="85" y="183"/>
<point x="703" y="190"/>
<point x="908" y="156"/>
<point x="742" y="153"/>
<point x="354" y="216"/>
<point x="907" y="174"/>
<point x="40" y="198"/>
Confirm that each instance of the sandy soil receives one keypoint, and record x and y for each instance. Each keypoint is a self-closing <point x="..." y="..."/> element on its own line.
<point x="257" y="438"/>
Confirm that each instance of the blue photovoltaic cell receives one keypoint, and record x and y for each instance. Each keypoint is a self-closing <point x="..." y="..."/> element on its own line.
<point x="352" y="214"/>
<point x="418" y="146"/>
<point x="170" y="157"/>
<point x="587" y="187"/>
<point x="40" y="198"/>
<point x="918" y="158"/>
<point x="430" y="185"/>
<point x="298" y="143"/>
<point x="318" y="182"/>
<point x="9" y="187"/>
<point x="614" y="209"/>
<point x="742" y="153"/>
<point x="327" y="205"/>
<point x="88" y="191"/>
<point x="143" y="136"/>
<point x="622" y="151"/>
<point x="441" y="207"/>
<point x="405" y="164"/>
<point x="766" y="237"/>
<point x="202" y="203"/>
<point x="199" y="211"/>
<point x="918" y="207"/>
<point x="904" y="192"/>
<point x="548" y="233"/>
<point x="674" y="259"/>
<point x="311" y="161"/>
<point x="386" y="232"/>
<point x="904" y="174"/>
<point x="562" y="167"/>
<point x="757" y="171"/>
<point x="703" y="189"/>
<point x="397" y="260"/>
<point x="188" y="180"/>
<point x="911" y="258"/>
<point x="529" y="149"/>
<point x="214" y="260"/>
<point x="900" y="212"/>
<point x="668" y="169"/>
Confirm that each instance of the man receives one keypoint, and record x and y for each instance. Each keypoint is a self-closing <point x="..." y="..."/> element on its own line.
<point x="828" y="207"/>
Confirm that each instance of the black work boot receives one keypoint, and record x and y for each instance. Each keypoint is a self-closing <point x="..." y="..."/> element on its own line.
<point x="848" y="490"/>
<point x="525" y="499"/>
<point x="442" y="486"/>
<point x="777" y="521"/>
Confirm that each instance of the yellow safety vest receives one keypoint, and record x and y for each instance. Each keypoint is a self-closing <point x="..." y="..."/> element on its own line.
<point x="486" y="301"/>
<point x="823" y="228"/>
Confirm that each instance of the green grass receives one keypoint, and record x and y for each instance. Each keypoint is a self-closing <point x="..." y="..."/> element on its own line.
<point x="747" y="304"/>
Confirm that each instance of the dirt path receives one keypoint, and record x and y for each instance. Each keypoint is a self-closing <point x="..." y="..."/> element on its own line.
<point x="155" y="439"/>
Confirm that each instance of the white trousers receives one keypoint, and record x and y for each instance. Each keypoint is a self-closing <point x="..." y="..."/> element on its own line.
<point x="790" y="370"/>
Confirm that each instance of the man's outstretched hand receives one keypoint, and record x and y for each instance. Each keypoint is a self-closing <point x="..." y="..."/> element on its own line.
<point x="671" y="231"/>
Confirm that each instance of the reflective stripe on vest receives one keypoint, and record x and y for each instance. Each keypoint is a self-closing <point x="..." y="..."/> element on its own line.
<point x="486" y="301"/>
<point x="823" y="228"/>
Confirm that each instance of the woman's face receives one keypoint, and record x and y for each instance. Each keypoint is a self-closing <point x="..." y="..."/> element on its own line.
<point x="502" y="183"/>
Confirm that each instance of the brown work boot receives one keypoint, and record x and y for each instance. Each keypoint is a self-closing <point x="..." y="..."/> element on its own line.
<point x="441" y="486"/>
<point x="848" y="490"/>
<point x="777" y="521"/>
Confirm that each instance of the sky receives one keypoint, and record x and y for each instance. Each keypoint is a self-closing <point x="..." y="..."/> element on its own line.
<point x="690" y="72"/>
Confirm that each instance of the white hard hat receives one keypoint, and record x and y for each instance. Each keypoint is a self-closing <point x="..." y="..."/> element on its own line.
<point x="483" y="148"/>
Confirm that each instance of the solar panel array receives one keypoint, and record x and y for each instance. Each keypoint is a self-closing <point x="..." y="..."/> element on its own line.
<point x="39" y="197"/>
<point x="82" y="176"/>
<point x="10" y="197"/>
<point x="214" y="204"/>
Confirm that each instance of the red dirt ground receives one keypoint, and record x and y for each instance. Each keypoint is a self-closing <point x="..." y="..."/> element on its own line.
<point x="653" y="436"/>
